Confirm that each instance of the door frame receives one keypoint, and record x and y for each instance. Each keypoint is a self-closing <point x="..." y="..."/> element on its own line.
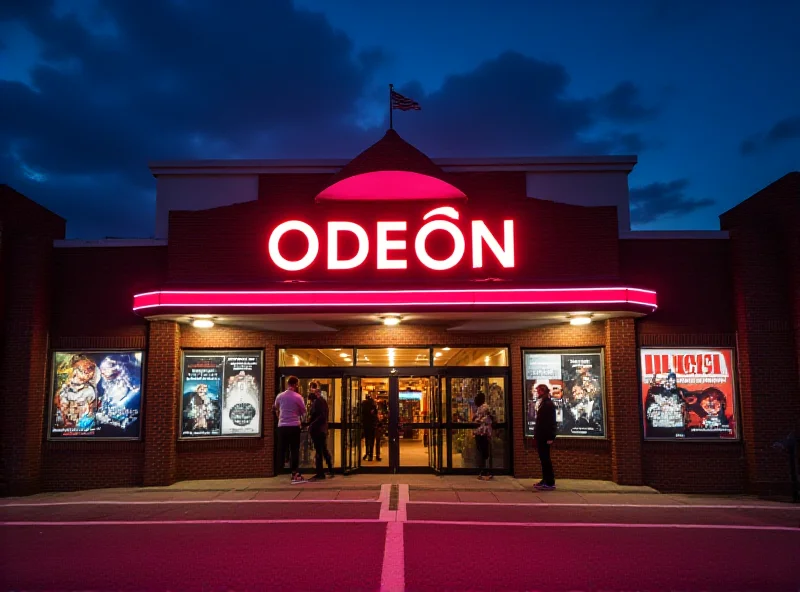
<point x="445" y="426"/>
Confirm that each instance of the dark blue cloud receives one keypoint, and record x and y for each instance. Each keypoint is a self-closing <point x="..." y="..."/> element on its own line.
<point x="156" y="80"/>
<point x="783" y="131"/>
<point x="657" y="200"/>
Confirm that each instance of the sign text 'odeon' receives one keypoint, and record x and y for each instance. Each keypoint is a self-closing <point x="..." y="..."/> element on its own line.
<point x="391" y="238"/>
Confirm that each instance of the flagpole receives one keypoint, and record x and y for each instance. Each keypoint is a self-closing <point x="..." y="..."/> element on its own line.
<point x="391" y="123"/>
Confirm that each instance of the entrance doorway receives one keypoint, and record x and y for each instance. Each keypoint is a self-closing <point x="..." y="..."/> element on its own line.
<point x="393" y="424"/>
<point x="423" y="406"/>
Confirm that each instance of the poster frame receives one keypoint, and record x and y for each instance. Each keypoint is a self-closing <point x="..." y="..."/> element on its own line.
<point x="48" y="417"/>
<point x="567" y="351"/>
<point x="734" y="371"/>
<point x="219" y="352"/>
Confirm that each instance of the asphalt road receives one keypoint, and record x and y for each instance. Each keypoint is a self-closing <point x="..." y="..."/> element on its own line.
<point x="287" y="545"/>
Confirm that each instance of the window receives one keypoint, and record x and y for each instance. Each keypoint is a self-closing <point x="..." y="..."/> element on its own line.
<point x="470" y="356"/>
<point x="307" y="357"/>
<point x="394" y="357"/>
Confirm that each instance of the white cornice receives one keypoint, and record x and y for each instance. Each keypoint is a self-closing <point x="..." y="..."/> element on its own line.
<point x="454" y="165"/>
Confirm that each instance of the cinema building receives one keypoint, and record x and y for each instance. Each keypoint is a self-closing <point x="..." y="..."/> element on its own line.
<point x="672" y="357"/>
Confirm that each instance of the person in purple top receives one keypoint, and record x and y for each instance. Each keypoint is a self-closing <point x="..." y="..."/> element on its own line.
<point x="290" y="408"/>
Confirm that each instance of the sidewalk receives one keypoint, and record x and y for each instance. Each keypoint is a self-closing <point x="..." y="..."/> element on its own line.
<point x="422" y="488"/>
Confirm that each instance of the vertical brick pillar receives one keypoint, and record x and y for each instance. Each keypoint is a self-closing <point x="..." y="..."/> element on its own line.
<point x="622" y="388"/>
<point x="28" y="269"/>
<point x="161" y="403"/>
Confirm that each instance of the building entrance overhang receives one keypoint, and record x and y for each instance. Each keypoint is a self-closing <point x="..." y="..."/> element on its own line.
<point x="465" y="309"/>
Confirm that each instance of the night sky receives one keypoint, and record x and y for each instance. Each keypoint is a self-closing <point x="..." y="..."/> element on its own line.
<point x="706" y="93"/>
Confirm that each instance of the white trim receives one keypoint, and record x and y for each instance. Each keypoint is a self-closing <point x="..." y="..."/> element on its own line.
<point x="109" y="242"/>
<point x="333" y="165"/>
<point x="674" y="234"/>
<point x="606" y="525"/>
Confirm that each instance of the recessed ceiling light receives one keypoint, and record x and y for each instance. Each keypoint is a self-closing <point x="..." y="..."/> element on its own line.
<point x="202" y="323"/>
<point x="445" y="349"/>
<point x="582" y="320"/>
<point x="343" y="355"/>
<point x="391" y="321"/>
<point x="438" y="355"/>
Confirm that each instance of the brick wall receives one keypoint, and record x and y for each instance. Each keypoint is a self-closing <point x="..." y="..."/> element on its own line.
<point x="26" y="284"/>
<point x="765" y="252"/>
<point x="254" y="457"/>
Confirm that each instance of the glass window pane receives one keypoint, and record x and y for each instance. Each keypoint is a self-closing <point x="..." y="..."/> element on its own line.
<point x="302" y="358"/>
<point x="463" y="391"/>
<point x="496" y="398"/>
<point x="308" y="453"/>
<point x="470" y="356"/>
<point x="465" y="452"/>
<point x="394" y="356"/>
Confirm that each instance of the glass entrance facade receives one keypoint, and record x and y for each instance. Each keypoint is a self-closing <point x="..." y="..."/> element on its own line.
<point x="387" y="414"/>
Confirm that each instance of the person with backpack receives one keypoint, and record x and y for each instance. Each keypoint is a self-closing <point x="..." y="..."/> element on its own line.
<point x="483" y="435"/>
<point x="318" y="430"/>
<point x="544" y="433"/>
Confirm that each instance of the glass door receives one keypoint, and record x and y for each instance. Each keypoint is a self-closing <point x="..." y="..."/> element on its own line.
<point x="351" y="424"/>
<point x="418" y="422"/>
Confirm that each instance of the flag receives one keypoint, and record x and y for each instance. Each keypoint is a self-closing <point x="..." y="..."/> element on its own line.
<point x="404" y="103"/>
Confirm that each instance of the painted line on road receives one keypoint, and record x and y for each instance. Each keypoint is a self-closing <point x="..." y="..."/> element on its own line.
<point x="187" y="502"/>
<point x="207" y="522"/>
<point x="393" y="575"/>
<point x="605" y="525"/>
<point x="591" y="505"/>
<point x="386" y="514"/>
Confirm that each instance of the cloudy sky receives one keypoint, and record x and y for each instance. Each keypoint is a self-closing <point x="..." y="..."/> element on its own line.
<point x="705" y="93"/>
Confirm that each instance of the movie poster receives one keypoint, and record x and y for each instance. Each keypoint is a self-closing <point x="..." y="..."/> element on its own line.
<point x="242" y="395"/>
<point x="221" y="394"/>
<point x="576" y="387"/>
<point x="688" y="394"/>
<point x="96" y="394"/>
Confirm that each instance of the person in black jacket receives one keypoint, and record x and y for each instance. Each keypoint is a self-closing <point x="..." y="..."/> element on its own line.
<point x="318" y="430"/>
<point x="544" y="433"/>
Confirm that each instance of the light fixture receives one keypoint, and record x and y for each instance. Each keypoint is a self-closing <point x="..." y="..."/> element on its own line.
<point x="445" y="349"/>
<point x="343" y="355"/>
<point x="202" y="323"/>
<point x="391" y="321"/>
<point x="580" y="320"/>
<point x="438" y="354"/>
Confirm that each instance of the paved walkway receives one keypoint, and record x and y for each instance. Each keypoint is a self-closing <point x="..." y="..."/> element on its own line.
<point x="422" y="488"/>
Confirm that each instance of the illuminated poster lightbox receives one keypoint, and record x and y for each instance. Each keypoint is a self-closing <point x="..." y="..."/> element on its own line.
<point x="96" y="395"/>
<point x="575" y="379"/>
<point x="221" y="393"/>
<point x="688" y="394"/>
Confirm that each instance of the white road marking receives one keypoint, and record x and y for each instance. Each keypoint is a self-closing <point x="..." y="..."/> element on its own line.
<point x="591" y="505"/>
<point x="386" y="514"/>
<point x="187" y="502"/>
<point x="393" y="574"/>
<point x="604" y="525"/>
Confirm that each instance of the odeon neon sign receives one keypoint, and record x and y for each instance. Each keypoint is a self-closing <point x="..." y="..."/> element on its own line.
<point x="480" y="237"/>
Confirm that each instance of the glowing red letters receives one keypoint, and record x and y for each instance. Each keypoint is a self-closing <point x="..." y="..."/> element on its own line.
<point x="391" y="239"/>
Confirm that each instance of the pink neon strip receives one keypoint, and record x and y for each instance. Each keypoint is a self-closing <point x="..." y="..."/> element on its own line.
<point x="395" y="298"/>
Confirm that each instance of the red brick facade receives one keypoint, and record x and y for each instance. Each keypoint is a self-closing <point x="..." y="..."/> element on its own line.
<point x="742" y="293"/>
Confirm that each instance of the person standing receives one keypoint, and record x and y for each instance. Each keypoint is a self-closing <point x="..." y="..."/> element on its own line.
<point x="318" y="430"/>
<point x="290" y="409"/>
<point x="369" y="417"/>
<point x="483" y="434"/>
<point x="544" y="433"/>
